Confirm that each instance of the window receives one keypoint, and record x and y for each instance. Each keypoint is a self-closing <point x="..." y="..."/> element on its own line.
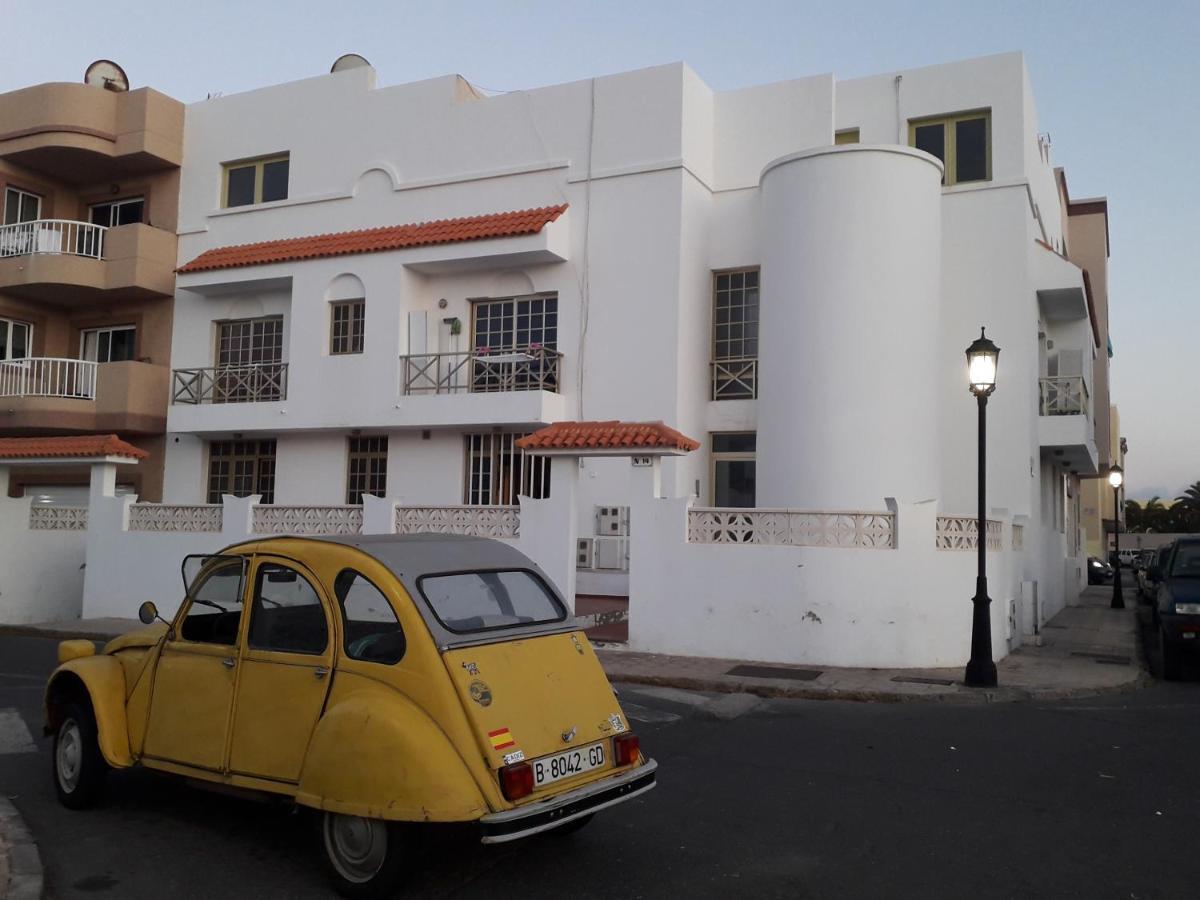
<point x="735" y="335"/>
<point x="250" y="351"/>
<point x="16" y="339"/>
<point x="215" y="613"/>
<point x="286" y="614"/>
<point x="480" y="601"/>
<point x="846" y="136"/>
<point x="372" y="631"/>
<point x="963" y="142"/>
<point x="241" y="468"/>
<point x="1186" y="560"/>
<point x="109" y="344"/>
<point x="510" y="337"/>
<point x="118" y="212"/>
<point x="21" y="206"/>
<point x="255" y="181"/>
<point x="367" y="469"/>
<point x="498" y="471"/>
<point x="733" y="469"/>
<point x="346" y="318"/>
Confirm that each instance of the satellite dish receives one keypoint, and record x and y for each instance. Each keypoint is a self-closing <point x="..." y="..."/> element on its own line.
<point x="349" y="61"/>
<point x="104" y="73"/>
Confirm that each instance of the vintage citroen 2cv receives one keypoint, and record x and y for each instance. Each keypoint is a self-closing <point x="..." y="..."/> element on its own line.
<point x="379" y="680"/>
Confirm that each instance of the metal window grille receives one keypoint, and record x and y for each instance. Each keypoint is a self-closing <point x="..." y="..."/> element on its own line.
<point x="735" y="335"/>
<point x="346" y="326"/>
<point x="241" y="468"/>
<point x="367" y="469"/>
<point x="498" y="472"/>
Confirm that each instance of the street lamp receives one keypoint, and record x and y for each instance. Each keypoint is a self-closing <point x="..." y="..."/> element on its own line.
<point x="1116" y="477"/>
<point x="982" y="358"/>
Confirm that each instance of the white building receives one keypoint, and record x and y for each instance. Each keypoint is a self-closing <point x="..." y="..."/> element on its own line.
<point x="774" y="271"/>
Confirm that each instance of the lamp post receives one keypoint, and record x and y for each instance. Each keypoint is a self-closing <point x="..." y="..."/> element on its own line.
<point x="982" y="358"/>
<point x="1116" y="477"/>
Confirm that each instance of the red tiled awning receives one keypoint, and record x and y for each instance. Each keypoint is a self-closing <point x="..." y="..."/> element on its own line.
<point x="608" y="438"/>
<point x="91" y="446"/>
<point x="375" y="240"/>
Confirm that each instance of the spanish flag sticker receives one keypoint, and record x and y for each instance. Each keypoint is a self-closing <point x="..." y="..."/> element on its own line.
<point x="501" y="738"/>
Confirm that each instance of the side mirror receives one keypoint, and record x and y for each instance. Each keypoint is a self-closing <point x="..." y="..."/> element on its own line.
<point x="147" y="612"/>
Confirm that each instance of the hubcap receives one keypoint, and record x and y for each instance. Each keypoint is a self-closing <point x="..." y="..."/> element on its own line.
<point x="356" y="846"/>
<point x="68" y="755"/>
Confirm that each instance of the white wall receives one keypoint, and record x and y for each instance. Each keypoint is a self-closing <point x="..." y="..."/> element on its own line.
<point x="41" y="578"/>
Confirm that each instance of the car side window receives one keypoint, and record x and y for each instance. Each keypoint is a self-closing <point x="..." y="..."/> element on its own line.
<point x="286" y="612"/>
<point x="216" y="607"/>
<point x="372" y="630"/>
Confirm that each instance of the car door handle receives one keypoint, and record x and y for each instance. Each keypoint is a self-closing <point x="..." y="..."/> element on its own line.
<point x="320" y="672"/>
<point x="229" y="663"/>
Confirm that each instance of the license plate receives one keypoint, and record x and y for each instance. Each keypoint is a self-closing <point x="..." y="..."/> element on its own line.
<point x="567" y="764"/>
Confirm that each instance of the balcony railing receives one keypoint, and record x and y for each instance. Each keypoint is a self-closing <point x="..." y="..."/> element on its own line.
<point x="734" y="379"/>
<point x="46" y="377"/>
<point x="260" y="383"/>
<point x="60" y="236"/>
<point x="534" y="369"/>
<point x="1064" y="396"/>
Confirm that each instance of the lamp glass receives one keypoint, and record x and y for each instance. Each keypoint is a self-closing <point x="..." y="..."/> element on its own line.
<point x="1116" y="477"/>
<point x="982" y="370"/>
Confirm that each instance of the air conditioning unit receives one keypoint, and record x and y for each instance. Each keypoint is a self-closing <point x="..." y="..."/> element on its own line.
<point x="612" y="521"/>
<point x="584" y="553"/>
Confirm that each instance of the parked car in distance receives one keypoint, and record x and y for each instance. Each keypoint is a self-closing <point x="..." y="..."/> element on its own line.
<point x="1178" y="604"/>
<point x="378" y="681"/>
<point x="1148" y="577"/>
<point x="1098" y="571"/>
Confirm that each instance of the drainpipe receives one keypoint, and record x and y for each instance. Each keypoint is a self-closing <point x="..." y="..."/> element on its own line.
<point x="901" y="137"/>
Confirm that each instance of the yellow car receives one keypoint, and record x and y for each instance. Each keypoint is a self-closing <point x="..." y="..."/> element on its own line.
<point x="381" y="680"/>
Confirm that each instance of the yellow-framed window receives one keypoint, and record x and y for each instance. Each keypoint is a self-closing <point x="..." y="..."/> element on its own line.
<point x="249" y="181"/>
<point x="962" y="141"/>
<point x="846" y="136"/>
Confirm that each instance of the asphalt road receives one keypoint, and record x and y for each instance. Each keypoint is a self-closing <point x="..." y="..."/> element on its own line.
<point x="1092" y="798"/>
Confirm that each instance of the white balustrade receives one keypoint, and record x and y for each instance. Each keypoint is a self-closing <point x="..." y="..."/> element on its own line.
<point x="476" y="521"/>
<point x="793" y="528"/>
<point x="58" y="518"/>
<point x="61" y="236"/>
<point x="156" y="517"/>
<point x="962" y="533"/>
<point x="40" y="376"/>
<point x="269" y="519"/>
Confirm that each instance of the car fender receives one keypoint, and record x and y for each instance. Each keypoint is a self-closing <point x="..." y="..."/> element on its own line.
<point x="102" y="679"/>
<point x="378" y="755"/>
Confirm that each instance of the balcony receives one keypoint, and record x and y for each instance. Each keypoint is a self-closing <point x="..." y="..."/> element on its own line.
<point x="1065" y="424"/>
<point x="260" y="383"/>
<point x="43" y="395"/>
<point x="81" y="134"/>
<point x="73" y="263"/>
<point x="534" y="369"/>
<point x="734" y="379"/>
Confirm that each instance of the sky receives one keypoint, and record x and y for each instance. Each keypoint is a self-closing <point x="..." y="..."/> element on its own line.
<point x="1114" y="84"/>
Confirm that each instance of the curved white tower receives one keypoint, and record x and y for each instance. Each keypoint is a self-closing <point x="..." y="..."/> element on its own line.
<point x="850" y="287"/>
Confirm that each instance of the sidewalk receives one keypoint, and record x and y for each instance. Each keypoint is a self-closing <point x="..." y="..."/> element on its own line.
<point x="1086" y="649"/>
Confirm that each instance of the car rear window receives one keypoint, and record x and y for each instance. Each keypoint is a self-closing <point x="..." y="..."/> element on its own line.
<point x="468" y="602"/>
<point x="1186" y="561"/>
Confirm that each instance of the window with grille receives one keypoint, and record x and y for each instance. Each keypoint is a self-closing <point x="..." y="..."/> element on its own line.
<point x="347" y="318"/>
<point x="367" y="469"/>
<point x="512" y="338"/>
<point x="241" y="468"/>
<point x="735" y="335"/>
<point x="497" y="471"/>
<point x="249" y="360"/>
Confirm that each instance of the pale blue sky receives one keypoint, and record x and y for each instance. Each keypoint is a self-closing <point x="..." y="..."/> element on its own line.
<point x="1114" y="82"/>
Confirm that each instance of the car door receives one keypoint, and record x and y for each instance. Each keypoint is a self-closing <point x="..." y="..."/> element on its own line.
<point x="197" y="670"/>
<point x="284" y="671"/>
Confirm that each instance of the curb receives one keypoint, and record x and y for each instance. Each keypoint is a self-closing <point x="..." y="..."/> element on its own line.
<point x="65" y="635"/>
<point x="19" y="851"/>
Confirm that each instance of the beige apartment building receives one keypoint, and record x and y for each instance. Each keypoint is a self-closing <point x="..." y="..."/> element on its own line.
<point x="89" y="178"/>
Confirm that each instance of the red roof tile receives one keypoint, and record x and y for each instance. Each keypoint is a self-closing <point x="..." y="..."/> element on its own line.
<point x="374" y="240"/>
<point x="91" y="445"/>
<point x="607" y="436"/>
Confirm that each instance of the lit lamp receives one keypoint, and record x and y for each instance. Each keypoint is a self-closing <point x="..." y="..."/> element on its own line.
<point x="982" y="359"/>
<point x="1116" y="477"/>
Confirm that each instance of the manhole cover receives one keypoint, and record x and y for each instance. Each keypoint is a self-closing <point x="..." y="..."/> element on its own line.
<point x="912" y="679"/>
<point x="1110" y="659"/>
<point x="774" y="672"/>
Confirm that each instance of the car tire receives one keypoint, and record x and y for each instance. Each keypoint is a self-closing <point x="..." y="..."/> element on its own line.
<point x="1171" y="663"/>
<point x="573" y="826"/>
<point x="365" y="857"/>
<point x="77" y="764"/>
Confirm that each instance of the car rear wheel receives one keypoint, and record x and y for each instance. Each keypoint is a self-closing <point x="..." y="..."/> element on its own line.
<point x="364" y="857"/>
<point x="78" y="765"/>
<point x="1171" y="663"/>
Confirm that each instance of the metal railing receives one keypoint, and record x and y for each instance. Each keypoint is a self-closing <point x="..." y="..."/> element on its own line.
<point x="39" y="376"/>
<point x="52" y="236"/>
<point x="259" y="383"/>
<point x="793" y="528"/>
<point x="477" y="372"/>
<point x="1064" y="396"/>
<point x="734" y="379"/>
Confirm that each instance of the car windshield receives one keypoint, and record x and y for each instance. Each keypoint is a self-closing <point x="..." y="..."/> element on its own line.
<point x="1186" y="561"/>
<point x="480" y="601"/>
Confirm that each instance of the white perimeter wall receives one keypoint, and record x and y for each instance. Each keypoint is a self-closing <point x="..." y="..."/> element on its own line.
<point x="41" y="572"/>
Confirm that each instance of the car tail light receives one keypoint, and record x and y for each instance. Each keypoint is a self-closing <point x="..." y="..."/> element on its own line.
<point x="625" y="749"/>
<point x="516" y="781"/>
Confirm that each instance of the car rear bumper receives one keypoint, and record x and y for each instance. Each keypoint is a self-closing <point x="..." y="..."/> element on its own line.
<point x="524" y="821"/>
<point x="1182" y="630"/>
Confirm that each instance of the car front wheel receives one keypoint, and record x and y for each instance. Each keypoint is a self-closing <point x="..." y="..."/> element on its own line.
<point x="364" y="857"/>
<point x="79" y="767"/>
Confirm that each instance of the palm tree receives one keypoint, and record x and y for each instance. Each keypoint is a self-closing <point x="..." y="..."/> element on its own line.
<point x="1187" y="508"/>
<point x="1190" y="498"/>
